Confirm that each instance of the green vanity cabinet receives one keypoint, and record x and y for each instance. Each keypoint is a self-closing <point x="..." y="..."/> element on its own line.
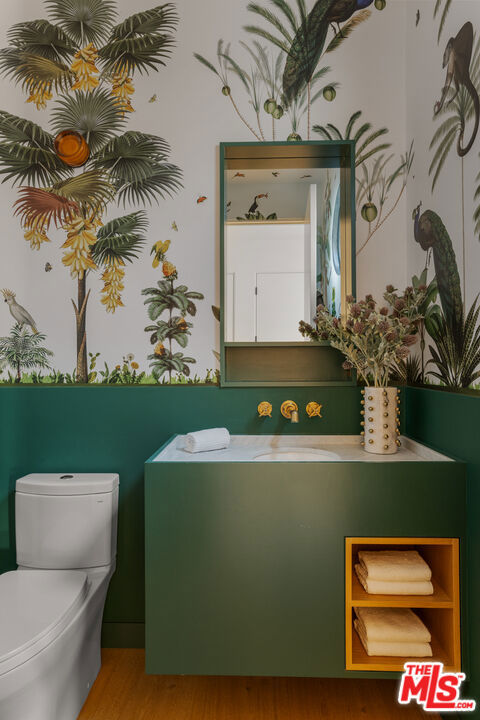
<point x="245" y="561"/>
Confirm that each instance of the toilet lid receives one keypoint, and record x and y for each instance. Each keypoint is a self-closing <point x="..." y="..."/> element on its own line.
<point x="35" y="606"/>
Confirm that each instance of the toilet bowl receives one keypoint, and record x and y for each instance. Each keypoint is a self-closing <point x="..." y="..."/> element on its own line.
<point x="52" y="605"/>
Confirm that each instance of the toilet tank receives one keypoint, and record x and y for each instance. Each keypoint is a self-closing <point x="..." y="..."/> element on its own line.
<point x="66" y="521"/>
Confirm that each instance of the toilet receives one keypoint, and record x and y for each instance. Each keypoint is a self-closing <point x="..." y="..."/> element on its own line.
<point x="51" y="607"/>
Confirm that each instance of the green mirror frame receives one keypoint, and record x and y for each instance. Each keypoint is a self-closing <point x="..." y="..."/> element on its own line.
<point x="297" y="363"/>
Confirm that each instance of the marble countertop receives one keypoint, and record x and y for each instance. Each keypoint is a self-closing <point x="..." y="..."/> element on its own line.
<point x="246" y="448"/>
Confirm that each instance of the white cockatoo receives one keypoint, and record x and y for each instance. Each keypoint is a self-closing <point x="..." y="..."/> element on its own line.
<point x="19" y="314"/>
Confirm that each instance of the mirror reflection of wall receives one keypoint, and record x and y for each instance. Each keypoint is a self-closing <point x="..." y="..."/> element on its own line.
<point x="329" y="245"/>
<point x="281" y="250"/>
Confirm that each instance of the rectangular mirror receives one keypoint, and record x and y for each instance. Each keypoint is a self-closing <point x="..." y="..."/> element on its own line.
<point x="286" y="246"/>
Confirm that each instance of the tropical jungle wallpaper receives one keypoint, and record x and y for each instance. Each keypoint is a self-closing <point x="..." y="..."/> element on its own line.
<point x="109" y="130"/>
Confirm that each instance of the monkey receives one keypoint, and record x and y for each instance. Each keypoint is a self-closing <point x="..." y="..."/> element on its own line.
<point x="456" y="59"/>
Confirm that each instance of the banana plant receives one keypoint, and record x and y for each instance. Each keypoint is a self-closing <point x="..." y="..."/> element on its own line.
<point x="80" y="55"/>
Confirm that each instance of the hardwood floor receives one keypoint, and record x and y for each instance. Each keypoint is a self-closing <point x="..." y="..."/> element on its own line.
<point x="122" y="691"/>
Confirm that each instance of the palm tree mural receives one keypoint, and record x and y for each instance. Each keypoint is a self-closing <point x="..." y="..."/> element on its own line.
<point x="378" y="181"/>
<point x="457" y="111"/>
<point x="363" y="134"/>
<point x="23" y="350"/>
<point x="69" y="175"/>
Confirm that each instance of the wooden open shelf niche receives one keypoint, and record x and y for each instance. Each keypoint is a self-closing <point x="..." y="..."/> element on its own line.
<point x="440" y="612"/>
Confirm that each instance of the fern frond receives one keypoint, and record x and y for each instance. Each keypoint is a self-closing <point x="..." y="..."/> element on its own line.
<point x="441" y="155"/>
<point x="37" y="205"/>
<point x="84" y="21"/>
<point x="137" y="52"/>
<point x="120" y="239"/>
<point x="206" y="63"/>
<point x="96" y="115"/>
<point x="40" y="37"/>
<point x="446" y="10"/>
<point x="91" y="190"/>
<point x="353" y="119"/>
<point x="158" y="20"/>
<point x="267" y="36"/>
<point x="272" y="19"/>
<point x="35" y="70"/>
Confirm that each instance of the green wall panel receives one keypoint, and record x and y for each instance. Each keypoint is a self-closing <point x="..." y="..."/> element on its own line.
<point x="450" y="422"/>
<point x="88" y="429"/>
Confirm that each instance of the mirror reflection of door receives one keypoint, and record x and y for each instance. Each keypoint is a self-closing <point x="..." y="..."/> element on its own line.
<point x="273" y="324"/>
<point x="267" y="281"/>
<point x="230" y="307"/>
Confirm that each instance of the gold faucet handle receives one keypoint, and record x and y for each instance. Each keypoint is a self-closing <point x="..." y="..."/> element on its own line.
<point x="314" y="409"/>
<point x="265" y="409"/>
<point x="288" y="407"/>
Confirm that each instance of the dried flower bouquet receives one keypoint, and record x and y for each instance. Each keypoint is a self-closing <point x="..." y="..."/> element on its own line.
<point x="374" y="339"/>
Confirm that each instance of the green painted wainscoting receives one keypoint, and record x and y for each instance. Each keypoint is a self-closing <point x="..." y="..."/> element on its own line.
<point x="450" y="422"/>
<point x="101" y="428"/>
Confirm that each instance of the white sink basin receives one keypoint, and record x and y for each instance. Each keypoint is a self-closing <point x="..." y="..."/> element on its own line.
<point x="297" y="455"/>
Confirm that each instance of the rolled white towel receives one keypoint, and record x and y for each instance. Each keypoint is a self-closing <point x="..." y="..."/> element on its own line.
<point x="204" y="440"/>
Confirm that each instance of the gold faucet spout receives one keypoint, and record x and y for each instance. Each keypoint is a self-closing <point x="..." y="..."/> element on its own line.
<point x="289" y="410"/>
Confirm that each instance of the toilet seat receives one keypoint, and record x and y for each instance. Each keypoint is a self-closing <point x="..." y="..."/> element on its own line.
<point x="35" y="606"/>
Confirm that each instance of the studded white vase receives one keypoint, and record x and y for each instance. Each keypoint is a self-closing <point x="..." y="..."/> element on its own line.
<point x="380" y="420"/>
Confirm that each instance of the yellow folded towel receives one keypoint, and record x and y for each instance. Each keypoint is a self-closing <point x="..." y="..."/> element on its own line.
<point x="385" y="587"/>
<point x="392" y="625"/>
<point x="396" y="565"/>
<point x="389" y="648"/>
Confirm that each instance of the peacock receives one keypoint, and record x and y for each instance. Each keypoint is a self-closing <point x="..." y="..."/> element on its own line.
<point x="342" y="10"/>
<point x="308" y="44"/>
<point x="431" y="233"/>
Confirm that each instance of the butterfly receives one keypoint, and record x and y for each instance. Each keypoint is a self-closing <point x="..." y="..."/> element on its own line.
<point x="174" y="226"/>
<point x="275" y="174"/>
<point x="417" y="18"/>
<point x="239" y="175"/>
<point x="153" y="98"/>
<point x="201" y="199"/>
<point x="48" y="267"/>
